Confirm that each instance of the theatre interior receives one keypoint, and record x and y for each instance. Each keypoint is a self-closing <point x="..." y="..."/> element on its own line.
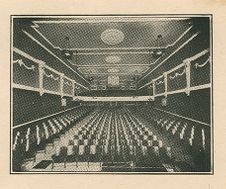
<point x="111" y="94"/>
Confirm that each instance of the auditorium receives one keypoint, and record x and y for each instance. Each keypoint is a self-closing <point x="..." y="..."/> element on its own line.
<point x="112" y="94"/>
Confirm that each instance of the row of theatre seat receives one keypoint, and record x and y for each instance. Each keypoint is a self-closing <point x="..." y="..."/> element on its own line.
<point x="29" y="139"/>
<point x="194" y="137"/>
<point x="111" y="136"/>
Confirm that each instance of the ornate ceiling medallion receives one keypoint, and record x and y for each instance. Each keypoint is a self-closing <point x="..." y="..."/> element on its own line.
<point x="113" y="70"/>
<point x="112" y="36"/>
<point x="112" y="59"/>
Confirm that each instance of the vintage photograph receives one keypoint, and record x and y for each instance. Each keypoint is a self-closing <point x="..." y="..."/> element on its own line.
<point x="112" y="94"/>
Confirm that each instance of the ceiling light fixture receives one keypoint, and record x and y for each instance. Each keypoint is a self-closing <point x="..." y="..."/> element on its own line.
<point x="67" y="54"/>
<point x="112" y="36"/>
<point x="112" y="59"/>
<point x="113" y="70"/>
<point x="156" y="53"/>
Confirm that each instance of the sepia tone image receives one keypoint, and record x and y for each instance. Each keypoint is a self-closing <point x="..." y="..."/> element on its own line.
<point x="111" y="94"/>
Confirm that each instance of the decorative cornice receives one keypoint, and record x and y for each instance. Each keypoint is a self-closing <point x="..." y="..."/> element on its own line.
<point x="49" y="51"/>
<point x="177" y="74"/>
<point x="21" y="63"/>
<point x="174" y="52"/>
<point x="202" y="65"/>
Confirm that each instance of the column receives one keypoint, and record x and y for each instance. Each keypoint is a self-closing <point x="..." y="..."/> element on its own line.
<point x="73" y="88"/>
<point x="165" y="82"/>
<point x="153" y="81"/>
<point x="41" y="66"/>
<point x="187" y="64"/>
<point x="61" y="84"/>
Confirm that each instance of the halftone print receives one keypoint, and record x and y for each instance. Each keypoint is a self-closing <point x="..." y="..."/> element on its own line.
<point x="112" y="94"/>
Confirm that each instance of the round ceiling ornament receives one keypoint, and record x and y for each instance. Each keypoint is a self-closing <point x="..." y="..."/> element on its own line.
<point x="112" y="36"/>
<point x="112" y="59"/>
<point x="113" y="70"/>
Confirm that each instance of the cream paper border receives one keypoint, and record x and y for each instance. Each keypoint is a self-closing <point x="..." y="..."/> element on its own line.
<point x="111" y="181"/>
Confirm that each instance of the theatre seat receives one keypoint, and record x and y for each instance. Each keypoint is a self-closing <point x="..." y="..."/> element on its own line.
<point x="116" y="136"/>
<point x="61" y="158"/>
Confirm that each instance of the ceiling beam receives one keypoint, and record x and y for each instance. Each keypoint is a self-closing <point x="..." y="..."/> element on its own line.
<point x="112" y="53"/>
<point x="97" y="74"/>
<point x="118" y="48"/>
<point x="109" y="65"/>
<point x="115" y="19"/>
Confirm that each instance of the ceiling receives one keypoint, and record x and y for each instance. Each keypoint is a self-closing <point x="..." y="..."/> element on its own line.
<point x="108" y="45"/>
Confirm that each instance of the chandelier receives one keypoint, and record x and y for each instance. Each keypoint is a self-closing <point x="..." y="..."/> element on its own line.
<point x="159" y="50"/>
<point x="66" y="53"/>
